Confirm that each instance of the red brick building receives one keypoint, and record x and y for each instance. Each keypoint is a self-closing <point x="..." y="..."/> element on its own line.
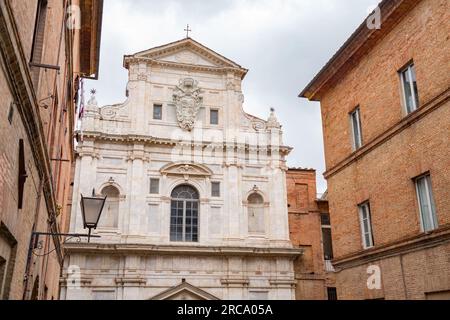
<point x="46" y="46"/>
<point x="386" y="121"/>
<point x="310" y="229"/>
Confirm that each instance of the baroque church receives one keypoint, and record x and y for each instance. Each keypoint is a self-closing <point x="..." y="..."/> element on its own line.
<point x="196" y="188"/>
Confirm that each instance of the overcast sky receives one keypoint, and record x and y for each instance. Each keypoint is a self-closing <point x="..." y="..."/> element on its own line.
<point x="284" y="43"/>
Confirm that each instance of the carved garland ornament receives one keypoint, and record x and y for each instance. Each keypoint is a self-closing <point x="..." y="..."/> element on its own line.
<point x="188" y="102"/>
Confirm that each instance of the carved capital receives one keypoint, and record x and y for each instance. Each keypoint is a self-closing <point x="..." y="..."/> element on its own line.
<point x="142" y="77"/>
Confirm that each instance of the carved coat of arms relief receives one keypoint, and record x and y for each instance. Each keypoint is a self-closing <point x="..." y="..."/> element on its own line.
<point x="188" y="101"/>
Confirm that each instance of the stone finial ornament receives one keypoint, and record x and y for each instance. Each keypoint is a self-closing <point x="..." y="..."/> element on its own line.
<point x="93" y="101"/>
<point x="272" y="122"/>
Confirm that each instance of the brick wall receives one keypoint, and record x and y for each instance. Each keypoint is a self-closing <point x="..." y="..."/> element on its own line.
<point x="407" y="276"/>
<point x="56" y="112"/>
<point x="374" y="83"/>
<point x="383" y="173"/>
<point x="305" y="231"/>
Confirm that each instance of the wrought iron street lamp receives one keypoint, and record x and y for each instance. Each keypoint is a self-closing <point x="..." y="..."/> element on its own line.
<point x="91" y="210"/>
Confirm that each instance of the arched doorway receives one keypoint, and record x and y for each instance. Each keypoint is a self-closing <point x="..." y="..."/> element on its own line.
<point x="184" y="216"/>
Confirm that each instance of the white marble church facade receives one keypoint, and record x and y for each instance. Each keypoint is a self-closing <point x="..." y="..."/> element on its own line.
<point x="196" y="187"/>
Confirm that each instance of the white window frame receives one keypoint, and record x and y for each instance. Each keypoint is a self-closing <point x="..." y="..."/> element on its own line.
<point x="415" y="94"/>
<point x="429" y="192"/>
<point x="361" y="207"/>
<point x="153" y="113"/>
<point x="220" y="189"/>
<point x="356" y="144"/>
<point x="159" y="186"/>
<point x="218" y="117"/>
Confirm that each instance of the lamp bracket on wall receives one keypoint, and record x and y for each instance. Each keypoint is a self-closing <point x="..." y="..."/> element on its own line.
<point x="37" y="244"/>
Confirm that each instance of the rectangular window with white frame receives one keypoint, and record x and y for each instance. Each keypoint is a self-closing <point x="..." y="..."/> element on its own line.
<point x="409" y="88"/>
<point x="157" y="112"/>
<point x="214" y="117"/>
<point x="154" y="186"/>
<point x="429" y="221"/>
<point x="215" y="189"/>
<point x="355" y="119"/>
<point x="366" y="225"/>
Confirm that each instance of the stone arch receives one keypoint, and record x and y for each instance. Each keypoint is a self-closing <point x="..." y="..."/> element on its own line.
<point x="197" y="184"/>
<point x="256" y="190"/>
<point x="112" y="182"/>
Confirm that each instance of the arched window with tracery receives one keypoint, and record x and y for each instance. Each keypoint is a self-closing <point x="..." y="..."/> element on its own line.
<point x="110" y="215"/>
<point x="256" y="222"/>
<point x="184" y="216"/>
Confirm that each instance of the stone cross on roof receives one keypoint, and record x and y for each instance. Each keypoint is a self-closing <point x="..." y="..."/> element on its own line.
<point x="187" y="31"/>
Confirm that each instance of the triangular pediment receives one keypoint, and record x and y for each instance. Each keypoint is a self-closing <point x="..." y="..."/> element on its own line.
<point x="188" y="56"/>
<point x="188" y="51"/>
<point x="185" y="291"/>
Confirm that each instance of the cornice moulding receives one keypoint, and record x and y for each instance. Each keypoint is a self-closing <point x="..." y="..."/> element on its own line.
<point x="124" y="249"/>
<point x="183" y="66"/>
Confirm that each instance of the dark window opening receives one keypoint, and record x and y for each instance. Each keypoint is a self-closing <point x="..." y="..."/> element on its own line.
<point x="326" y="236"/>
<point x="327" y="244"/>
<point x="11" y="113"/>
<point x="215" y="189"/>
<point x="157" y="112"/>
<point x="332" y="294"/>
<point x="214" y="117"/>
<point x="22" y="174"/>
